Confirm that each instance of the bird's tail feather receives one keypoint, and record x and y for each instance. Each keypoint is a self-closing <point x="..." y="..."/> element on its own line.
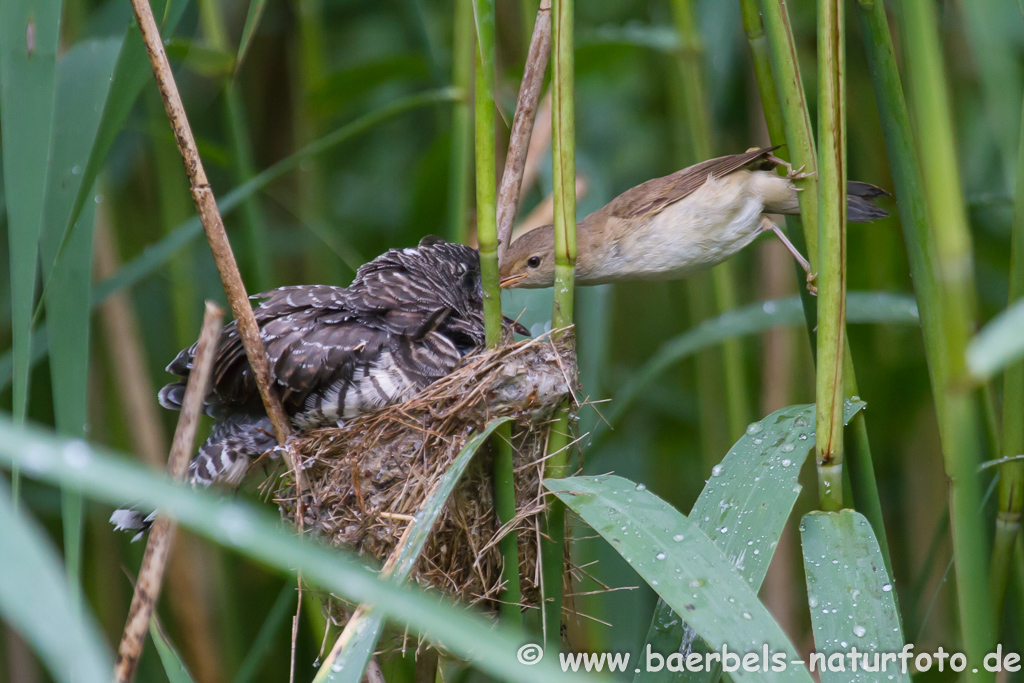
<point x="860" y="207"/>
<point x="224" y="458"/>
<point x="171" y="396"/>
<point x="233" y="445"/>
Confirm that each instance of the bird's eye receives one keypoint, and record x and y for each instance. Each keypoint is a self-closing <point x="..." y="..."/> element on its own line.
<point x="534" y="262"/>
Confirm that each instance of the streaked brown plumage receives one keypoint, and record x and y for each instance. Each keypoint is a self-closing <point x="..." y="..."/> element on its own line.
<point x="406" y="320"/>
<point x="670" y="227"/>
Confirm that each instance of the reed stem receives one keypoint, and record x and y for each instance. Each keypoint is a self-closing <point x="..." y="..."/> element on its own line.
<point x="486" y="198"/>
<point x="461" y="155"/>
<point x="563" y="146"/>
<point x="161" y="536"/>
<point x="487" y="238"/>
<point x="213" y="226"/>
<point x="831" y="249"/>
<point x="1011" y="474"/>
<point x="959" y="420"/>
<point x="800" y="142"/>
<point x="522" y="125"/>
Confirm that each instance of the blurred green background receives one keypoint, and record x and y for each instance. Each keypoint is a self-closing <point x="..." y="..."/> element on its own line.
<point x="313" y="67"/>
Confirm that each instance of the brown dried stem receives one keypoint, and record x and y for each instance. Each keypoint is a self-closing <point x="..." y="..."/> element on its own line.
<point x="522" y="125"/>
<point x="213" y="226"/>
<point x="128" y="364"/>
<point x="151" y="573"/>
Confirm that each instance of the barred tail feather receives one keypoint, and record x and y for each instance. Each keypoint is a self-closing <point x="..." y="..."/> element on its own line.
<point x="171" y="396"/>
<point x="233" y="445"/>
<point x="224" y="458"/>
<point x="130" y="519"/>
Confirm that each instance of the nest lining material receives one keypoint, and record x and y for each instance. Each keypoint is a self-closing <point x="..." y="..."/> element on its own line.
<point x="367" y="479"/>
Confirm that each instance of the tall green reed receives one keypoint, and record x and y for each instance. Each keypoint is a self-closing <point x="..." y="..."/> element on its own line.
<point x="487" y="238"/>
<point x="563" y="148"/>
<point x="831" y="250"/>
<point x="1011" y="474"/>
<point x="461" y="150"/>
<point x="800" y="142"/>
<point x="959" y="420"/>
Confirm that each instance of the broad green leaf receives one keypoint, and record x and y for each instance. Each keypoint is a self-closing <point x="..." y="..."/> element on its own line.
<point x="158" y="254"/>
<point x="29" y="33"/>
<point x="352" y="660"/>
<point x="743" y="509"/>
<point x="682" y="565"/>
<point x="36" y="602"/>
<point x="261" y="535"/>
<point x="169" y="657"/>
<point x="861" y="307"/>
<point x="851" y="597"/>
<point x="83" y="79"/>
<point x="999" y="343"/>
<point x="130" y="75"/>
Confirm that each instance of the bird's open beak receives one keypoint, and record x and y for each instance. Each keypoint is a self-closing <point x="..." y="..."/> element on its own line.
<point x="520" y="329"/>
<point x="511" y="280"/>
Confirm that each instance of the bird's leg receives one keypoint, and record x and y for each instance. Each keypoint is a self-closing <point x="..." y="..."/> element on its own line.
<point x="791" y="173"/>
<point x="767" y="224"/>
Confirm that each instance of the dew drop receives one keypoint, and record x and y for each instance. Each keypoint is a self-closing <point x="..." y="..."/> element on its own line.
<point x="754" y="427"/>
<point x="717" y="470"/>
<point x="660" y="556"/>
<point x="859" y="631"/>
<point x="886" y="587"/>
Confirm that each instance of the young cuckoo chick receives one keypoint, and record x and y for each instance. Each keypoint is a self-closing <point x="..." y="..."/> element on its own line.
<point x="407" y="320"/>
<point x="670" y="227"/>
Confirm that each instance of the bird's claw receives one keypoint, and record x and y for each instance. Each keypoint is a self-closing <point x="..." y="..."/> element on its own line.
<point x="811" y="279"/>
<point x="798" y="173"/>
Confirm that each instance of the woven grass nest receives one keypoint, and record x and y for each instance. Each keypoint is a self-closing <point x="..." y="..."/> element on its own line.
<point x="367" y="479"/>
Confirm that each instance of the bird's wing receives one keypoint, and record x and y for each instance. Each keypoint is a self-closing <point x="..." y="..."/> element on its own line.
<point x="318" y="336"/>
<point x="655" y="195"/>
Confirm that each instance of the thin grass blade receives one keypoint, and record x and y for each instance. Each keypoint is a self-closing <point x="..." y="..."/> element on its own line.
<point x="252" y="21"/>
<point x="998" y="345"/>
<point x="862" y="307"/>
<point x="350" y="663"/>
<point x="263" y="642"/>
<point x="174" y="667"/>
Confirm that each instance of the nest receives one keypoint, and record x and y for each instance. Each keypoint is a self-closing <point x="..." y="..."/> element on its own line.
<point x="367" y="479"/>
